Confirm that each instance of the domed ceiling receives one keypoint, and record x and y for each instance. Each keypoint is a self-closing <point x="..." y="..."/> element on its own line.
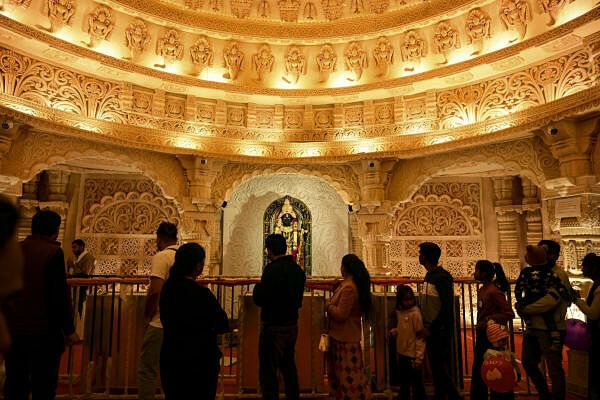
<point x="289" y="79"/>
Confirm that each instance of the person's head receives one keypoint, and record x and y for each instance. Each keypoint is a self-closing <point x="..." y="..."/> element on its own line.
<point x="166" y="235"/>
<point x="591" y="266"/>
<point x="486" y="271"/>
<point x="552" y="250"/>
<point x="78" y="247"/>
<point x="189" y="261"/>
<point x="405" y="297"/>
<point x="9" y="215"/>
<point x="353" y="267"/>
<point x="276" y="245"/>
<point x="536" y="255"/>
<point x="45" y="223"/>
<point x="429" y="254"/>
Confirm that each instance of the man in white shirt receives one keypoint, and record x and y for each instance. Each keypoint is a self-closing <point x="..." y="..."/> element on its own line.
<point x="166" y="241"/>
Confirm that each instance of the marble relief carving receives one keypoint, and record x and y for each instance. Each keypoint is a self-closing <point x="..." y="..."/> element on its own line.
<point x="59" y="13"/>
<point x="383" y="54"/>
<point x="378" y="6"/>
<point x="202" y="55"/>
<point x="289" y="10"/>
<point x="478" y="27"/>
<point x="19" y="3"/>
<point x="142" y="102"/>
<point x="356" y="61"/>
<point x="241" y="8"/>
<point x="262" y="61"/>
<point x="412" y="49"/>
<point x="194" y="4"/>
<point x="99" y="25"/>
<point x="264" y="9"/>
<point x="446" y="39"/>
<point x="234" y="58"/>
<point x="310" y="10"/>
<point x="295" y="65"/>
<point x="553" y="8"/>
<point x="326" y="62"/>
<point x="137" y="38"/>
<point x="333" y="9"/>
<point x="515" y="14"/>
<point x="175" y="108"/>
<point x="205" y="112"/>
<point x="356" y="7"/>
<point x="170" y="48"/>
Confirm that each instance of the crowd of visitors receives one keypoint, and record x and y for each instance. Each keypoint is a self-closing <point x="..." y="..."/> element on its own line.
<point x="183" y="320"/>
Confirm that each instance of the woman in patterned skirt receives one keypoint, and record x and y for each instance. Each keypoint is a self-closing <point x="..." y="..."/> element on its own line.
<point x="350" y="302"/>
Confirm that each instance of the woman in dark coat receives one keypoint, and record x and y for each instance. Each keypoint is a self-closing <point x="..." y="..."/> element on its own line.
<point x="192" y="318"/>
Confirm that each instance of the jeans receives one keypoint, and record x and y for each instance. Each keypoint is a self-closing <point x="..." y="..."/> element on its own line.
<point x="479" y="390"/>
<point x="277" y="352"/>
<point x="537" y="344"/>
<point x="438" y="352"/>
<point x="32" y="367"/>
<point x="149" y="362"/>
<point x="410" y="377"/>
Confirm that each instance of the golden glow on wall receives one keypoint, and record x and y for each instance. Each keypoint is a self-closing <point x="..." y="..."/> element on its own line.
<point x="186" y="143"/>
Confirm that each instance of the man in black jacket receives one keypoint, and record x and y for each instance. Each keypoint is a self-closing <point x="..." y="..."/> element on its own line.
<point x="279" y="294"/>
<point x="41" y="319"/>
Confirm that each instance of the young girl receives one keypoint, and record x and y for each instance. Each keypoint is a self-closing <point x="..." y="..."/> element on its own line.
<point x="409" y="347"/>
<point x="492" y="306"/>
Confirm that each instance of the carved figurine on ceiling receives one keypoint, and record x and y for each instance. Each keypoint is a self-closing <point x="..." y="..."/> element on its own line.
<point x="288" y="10"/>
<point x="383" y="54"/>
<point x="137" y="38"/>
<point x="356" y="60"/>
<point x="170" y="48"/>
<point x="264" y="8"/>
<point x="478" y="26"/>
<point x="515" y="14"/>
<point x="59" y="12"/>
<point x="202" y="54"/>
<point x="333" y="9"/>
<point x="356" y="7"/>
<point x="310" y="10"/>
<point x="194" y="4"/>
<point x="412" y="50"/>
<point x="446" y="39"/>
<point x="233" y="57"/>
<point x="326" y="62"/>
<point x="262" y="61"/>
<point x="552" y="8"/>
<point x="99" y="25"/>
<point x="241" y="8"/>
<point x="295" y="65"/>
<point x="215" y="5"/>
<point x="379" y="6"/>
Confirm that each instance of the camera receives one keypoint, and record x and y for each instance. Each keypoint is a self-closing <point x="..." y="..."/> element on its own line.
<point x="6" y="124"/>
<point x="553" y="130"/>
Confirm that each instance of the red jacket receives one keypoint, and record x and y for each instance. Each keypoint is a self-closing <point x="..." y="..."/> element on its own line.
<point x="492" y="304"/>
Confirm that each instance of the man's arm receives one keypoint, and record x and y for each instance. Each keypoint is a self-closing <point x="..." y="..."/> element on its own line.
<point x="152" y="298"/>
<point x="59" y="296"/>
<point x="260" y="292"/>
<point x="544" y="304"/>
<point x="446" y="294"/>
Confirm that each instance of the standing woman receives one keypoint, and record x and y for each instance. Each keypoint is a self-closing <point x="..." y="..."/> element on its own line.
<point x="591" y="308"/>
<point x="491" y="306"/>
<point x="191" y="319"/>
<point x="350" y="301"/>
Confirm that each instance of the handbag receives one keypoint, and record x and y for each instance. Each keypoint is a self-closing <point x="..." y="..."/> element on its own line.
<point x="324" y="343"/>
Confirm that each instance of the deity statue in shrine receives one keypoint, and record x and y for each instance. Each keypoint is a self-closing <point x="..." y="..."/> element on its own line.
<point x="287" y="225"/>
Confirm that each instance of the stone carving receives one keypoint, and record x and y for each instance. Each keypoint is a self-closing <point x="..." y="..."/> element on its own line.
<point x="170" y="48"/>
<point x="333" y="9"/>
<point x="292" y="119"/>
<point x="552" y="8"/>
<point x="356" y="7"/>
<point x="137" y="38"/>
<point x="19" y="3"/>
<point x="233" y="57"/>
<point x="356" y="60"/>
<point x="310" y="10"/>
<point x="289" y="9"/>
<point x="412" y="50"/>
<point x="202" y="54"/>
<point x="142" y="102"/>
<point x="262" y="61"/>
<point x="264" y="8"/>
<point x="59" y="12"/>
<point x="215" y="5"/>
<point x="295" y="65"/>
<point x="241" y="8"/>
<point x="205" y="112"/>
<point x="515" y="14"/>
<point x="478" y="27"/>
<point x="379" y="6"/>
<point x="326" y="62"/>
<point x="175" y="108"/>
<point x="446" y="39"/>
<point x="99" y="25"/>
<point x="194" y="4"/>
<point x="383" y="54"/>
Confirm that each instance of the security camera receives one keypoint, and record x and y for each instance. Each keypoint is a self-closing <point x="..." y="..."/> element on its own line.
<point x="7" y="124"/>
<point x="553" y="131"/>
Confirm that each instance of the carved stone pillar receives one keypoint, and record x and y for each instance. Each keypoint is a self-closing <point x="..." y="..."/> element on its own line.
<point x="203" y="227"/>
<point x="532" y="212"/>
<point x="201" y="173"/>
<point x="375" y="234"/>
<point x="507" y="216"/>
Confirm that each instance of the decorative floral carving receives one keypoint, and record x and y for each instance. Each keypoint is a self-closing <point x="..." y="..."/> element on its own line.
<point x="215" y="5"/>
<point x="194" y="4"/>
<point x="412" y="50"/>
<point x="326" y="62"/>
<point x="137" y="38"/>
<point x="478" y="27"/>
<point x="262" y="61"/>
<point x="356" y="60"/>
<point x="323" y="118"/>
<point x="333" y="9"/>
<point x="446" y="39"/>
<point x="233" y="57"/>
<point x="293" y="119"/>
<point x="236" y="116"/>
<point x="170" y="48"/>
<point x="205" y="113"/>
<point x="515" y="14"/>
<point x="202" y="54"/>
<point x="241" y="8"/>
<point x="379" y="6"/>
<point x="384" y="113"/>
<point x="295" y="65"/>
<point x="96" y="188"/>
<point x="175" y="108"/>
<point x="353" y="116"/>
<point x="21" y="3"/>
<point x="288" y="10"/>
<point x="142" y="102"/>
<point x="99" y="25"/>
<point x="59" y="12"/>
<point x="383" y="54"/>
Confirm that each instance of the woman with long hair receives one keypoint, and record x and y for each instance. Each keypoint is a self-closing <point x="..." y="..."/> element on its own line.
<point x="492" y="306"/>
<point x="591" y="308"/>
<point x="191" y="317"/>
<point x="350" y="302"/>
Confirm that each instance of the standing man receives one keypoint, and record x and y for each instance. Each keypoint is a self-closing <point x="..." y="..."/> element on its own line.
<point x="538" y="342"/>
<point x="279" y="295"/>
<point x="437" y="306"/>
<point x="83" y="264"/>
<point x="41" y="319"/>
<point x="166" y="242"/>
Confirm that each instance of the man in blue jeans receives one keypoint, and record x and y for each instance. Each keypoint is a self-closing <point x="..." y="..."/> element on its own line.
<point x="279" y="295"/>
